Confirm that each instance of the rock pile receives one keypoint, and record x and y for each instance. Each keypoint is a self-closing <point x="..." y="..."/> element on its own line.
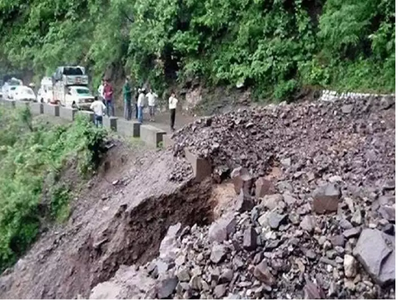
<point x="314" y="213"/>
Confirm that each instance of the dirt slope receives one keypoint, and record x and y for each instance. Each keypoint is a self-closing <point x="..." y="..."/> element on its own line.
<point x="120" y="218"/>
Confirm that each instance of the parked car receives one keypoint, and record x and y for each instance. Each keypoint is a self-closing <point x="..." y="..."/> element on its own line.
<point x="23" y="93"/>
<point x="80" y="95"/>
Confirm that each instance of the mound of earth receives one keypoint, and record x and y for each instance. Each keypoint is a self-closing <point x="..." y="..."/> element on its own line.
<point x="313" y="216"/>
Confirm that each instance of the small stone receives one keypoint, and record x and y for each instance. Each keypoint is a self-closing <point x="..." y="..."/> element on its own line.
<point x="271" y="201"/>
<point x="218" y="253"/>
<point x="326" y="199"/>
<point x="249" y="239"/>
<point x="389" y="229"/>
<point x="220" y="290"/>
<point x="196" y="283"/>
<point x="244" y="202"/>
<point x="349" y="284"/>
<point x="311" y="254"/>
<point x="166" y="287"/>
<point x="183" y="275"/>
<point x="222" y="228"/>
<point x="338" y="240"/>
<point x="339" y="260"/>
<point x="226" y="276"/>
<point x="286" y="162"/>
<point x="262" y="273"/>
<point x="353" y="232"/>
<point x="357" y="218"/>
<point x="288" y="198"/>
<point x="350" y="266"/>
<point x="275" y="219"/>
<point x="344" y="224"/>
<point x="308" y="223"/>
<point x="264" y="187"/>
<point x="346" y="109"/>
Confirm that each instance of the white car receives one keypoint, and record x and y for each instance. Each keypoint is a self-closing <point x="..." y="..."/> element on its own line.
<point x="79" y="95"/>
<point x="10" y="91"/>
<point x="23" y="93"/>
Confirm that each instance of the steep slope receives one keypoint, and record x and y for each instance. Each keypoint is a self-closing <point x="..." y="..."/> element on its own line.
<point x="120" y="218"/>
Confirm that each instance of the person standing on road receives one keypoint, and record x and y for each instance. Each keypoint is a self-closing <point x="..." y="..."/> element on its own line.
<point x="127" y="91"/>
<point x="172" y="102"/>
<point x="140" y="105"/>
<point x="100" y="91"/>
<point x="108" y="96"/>
<point x="151" y="98"/>
<point x="98" y="108"/>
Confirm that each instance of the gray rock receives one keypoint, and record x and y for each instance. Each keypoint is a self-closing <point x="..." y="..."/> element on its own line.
<point x="311" y="254"/>
<point x="376" y="252"/>
<point x="326" y="198"/>
<point x="166" y="287"/>
<point x="226" y="276"/>
<point x="286" y="162"/>
<point x="263" y="187"/>
<point x="196" y="283"/>
<point x="346" y="109"/>
<point x="222" y="228"/>
<point x="352" y="232"/>
<point x="275" y="219"/>
<point x="288" y="198"/>
<point x="183" y="275"/>
<point x="338" y="240"/>
<point x="244" y="202"/>
<point x="218" y="253"/>
<point x="220" y="290"/>
<point x="271" y="201"/>
<point x="388" y="229"/>
<point x="307" y="223"/>
<point x="388" y="213"/>
<point x="350" y="266"/>
<point x="345" y="224"/>
<point x="263" y="274"/>
<point x="357" y="217"/>
<point x="249" y="239"/>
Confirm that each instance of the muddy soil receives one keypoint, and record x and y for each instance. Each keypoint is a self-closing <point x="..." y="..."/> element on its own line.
<point x="119" y="218"/>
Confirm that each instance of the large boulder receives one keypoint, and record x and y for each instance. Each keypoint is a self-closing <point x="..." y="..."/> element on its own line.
<point x="376" y="252"/>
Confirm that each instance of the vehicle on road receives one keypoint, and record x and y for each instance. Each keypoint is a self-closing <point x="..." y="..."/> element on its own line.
<point x="80" y="95"/>
<point x="70" y="84"/>
<point x="45" y="92"/>
<point x="23" y="93"/>
<point x="9" y="87"/>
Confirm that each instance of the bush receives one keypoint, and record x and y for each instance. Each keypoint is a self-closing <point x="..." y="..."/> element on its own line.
<point x="28" y="153"/>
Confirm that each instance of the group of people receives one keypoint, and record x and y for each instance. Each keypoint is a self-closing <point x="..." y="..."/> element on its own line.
<point x="104" y="103"/>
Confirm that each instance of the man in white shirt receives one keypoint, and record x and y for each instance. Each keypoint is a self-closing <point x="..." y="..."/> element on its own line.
<point x="172" y="102"/>
<point x="140" y="105"/>
<point x="100" y="90"/>
<point x="151" y="100"/>
<point x="98" y="108"/>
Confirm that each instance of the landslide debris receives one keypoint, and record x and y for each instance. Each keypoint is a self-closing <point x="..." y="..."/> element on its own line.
<point x="318" y="224"/>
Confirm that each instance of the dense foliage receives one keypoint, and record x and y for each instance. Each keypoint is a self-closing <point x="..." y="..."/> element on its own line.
<point x="32" y="158"/>
<point x="270" y="45"/>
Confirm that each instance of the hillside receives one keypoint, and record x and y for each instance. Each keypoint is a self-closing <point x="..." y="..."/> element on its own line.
<point x="300" y="204"/>
<point x="274" y="48"/>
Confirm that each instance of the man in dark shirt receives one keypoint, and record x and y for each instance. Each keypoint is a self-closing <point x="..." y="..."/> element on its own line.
<point x="127" y="92"/>
<point x="108" y="96"/>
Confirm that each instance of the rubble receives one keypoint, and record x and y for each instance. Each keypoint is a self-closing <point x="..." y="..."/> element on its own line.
<point x="324" y="229"/>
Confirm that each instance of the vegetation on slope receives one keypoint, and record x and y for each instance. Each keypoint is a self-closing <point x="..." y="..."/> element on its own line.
<point x="32" y="158"/>
<point x="270" y="45"/>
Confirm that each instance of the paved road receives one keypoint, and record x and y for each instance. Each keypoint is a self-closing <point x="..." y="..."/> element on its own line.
<point x="162" y="119"/>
